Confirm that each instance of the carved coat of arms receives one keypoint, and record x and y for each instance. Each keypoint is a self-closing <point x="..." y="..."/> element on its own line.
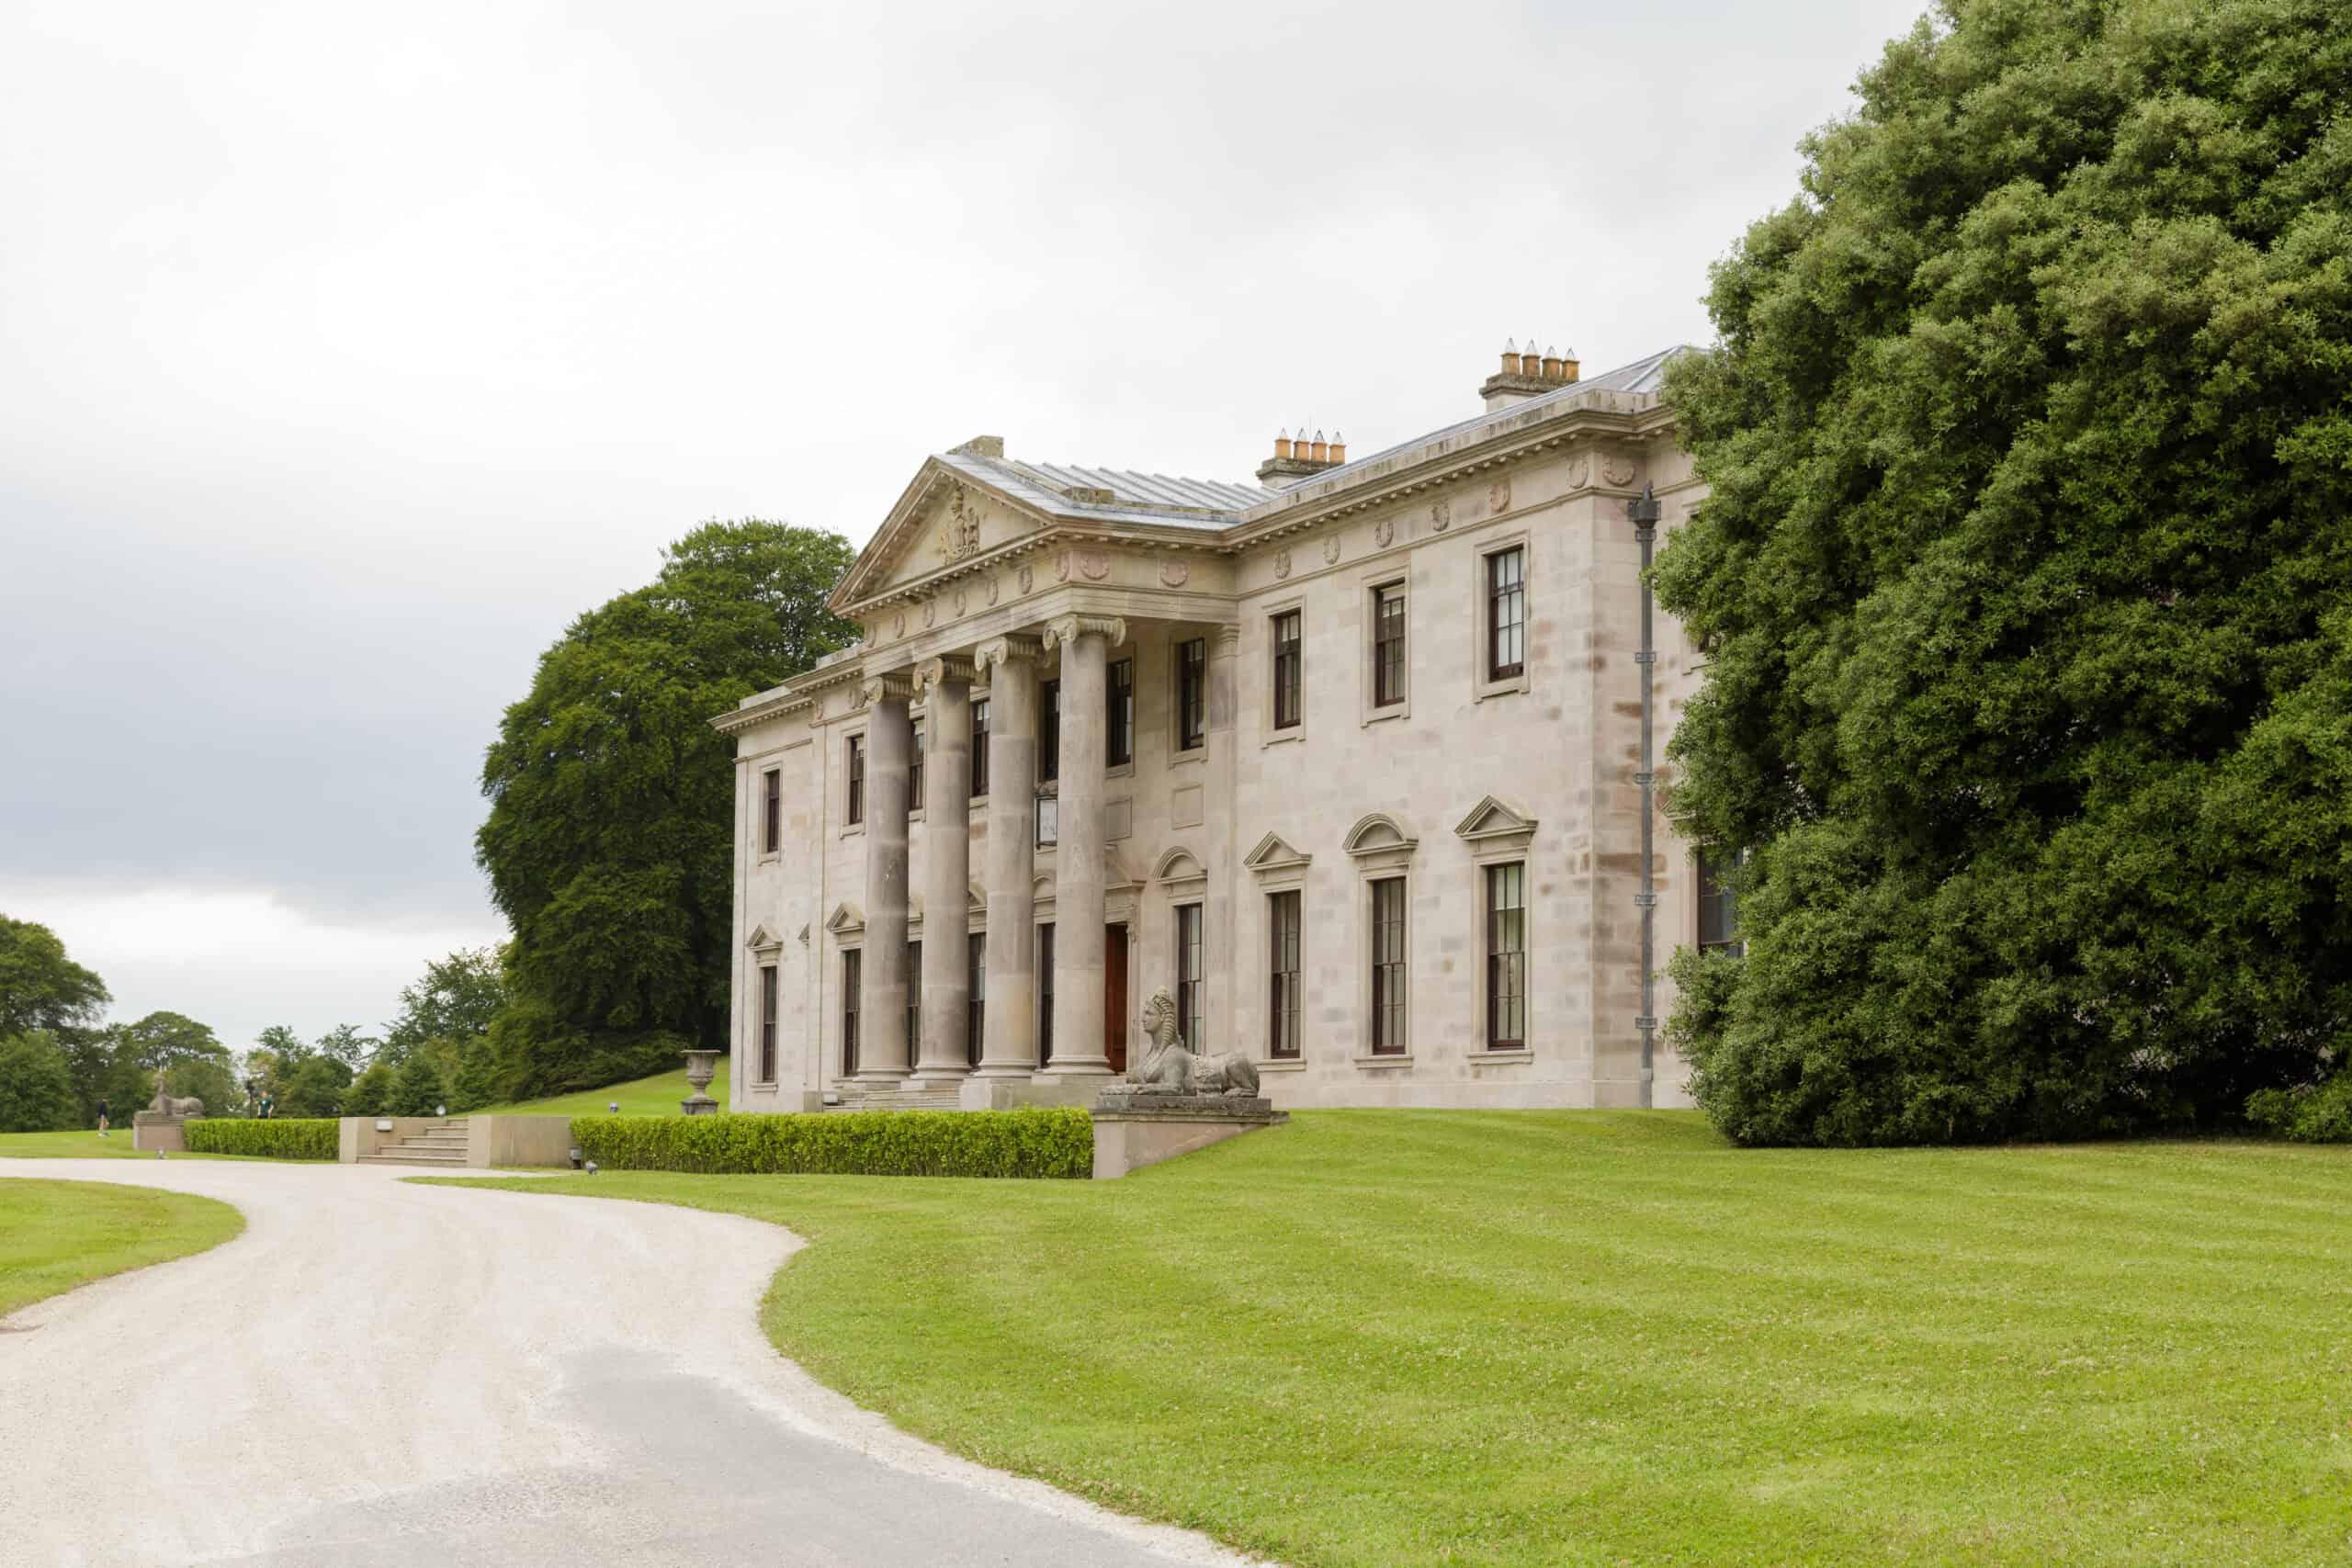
<point x="959" y="531"/>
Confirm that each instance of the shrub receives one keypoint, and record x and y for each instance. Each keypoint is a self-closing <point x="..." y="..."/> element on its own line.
<point x="36" y="1084"/>
<point x="293" y="1138"/>
<point x="2321" y="1114"/>
<point x="1056" y="1143"/>
<point x="370" y="1092"/>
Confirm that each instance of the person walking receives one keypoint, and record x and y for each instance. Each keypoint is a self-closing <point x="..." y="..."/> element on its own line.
<point x="106" y="1117"/>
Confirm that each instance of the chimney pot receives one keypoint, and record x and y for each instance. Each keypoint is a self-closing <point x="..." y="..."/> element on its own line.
<point x="1322" y="450"/>
<point x="1511" y="356"/>
<point x="1568" y="365"/>
<point x="1339" y="447"/>
<point x="1282" y="444"/>
<point x="1551" y="365"/>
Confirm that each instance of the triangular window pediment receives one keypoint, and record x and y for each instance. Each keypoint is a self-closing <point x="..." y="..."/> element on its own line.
<point x="846" y="920"/>
<point x="1274" y="854"/>
<point x="762" y="937"/>
<point x="1494" y="817"/>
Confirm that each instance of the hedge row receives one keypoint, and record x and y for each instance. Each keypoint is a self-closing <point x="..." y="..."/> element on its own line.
<point x="1032" y="1144"/>
<point x="295" y="1137"/>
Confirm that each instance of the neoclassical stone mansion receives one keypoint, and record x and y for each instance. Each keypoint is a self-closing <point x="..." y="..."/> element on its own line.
<point x="1351" y="761"/>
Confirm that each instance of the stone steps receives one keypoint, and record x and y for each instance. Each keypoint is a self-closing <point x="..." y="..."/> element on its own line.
<point x="441" y="1143"/>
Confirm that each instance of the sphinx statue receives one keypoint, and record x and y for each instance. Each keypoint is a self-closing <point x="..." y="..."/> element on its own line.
<point x="1168" y="1068"/>
<point x="164" y="1104"/>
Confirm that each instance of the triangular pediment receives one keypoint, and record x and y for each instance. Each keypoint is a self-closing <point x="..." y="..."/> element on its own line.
<point x="762" y="937"/>
<point x="845" y="920"/>
<point x="944" y="520"/>
<point x="1273" y="854"/>
<point x="1494" y="817"/>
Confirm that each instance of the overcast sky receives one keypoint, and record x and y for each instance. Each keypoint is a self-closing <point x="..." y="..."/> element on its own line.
<point x="347" y="352"/>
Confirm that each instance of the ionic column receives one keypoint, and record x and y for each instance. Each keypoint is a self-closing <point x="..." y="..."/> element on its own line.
<point x="1217" y="1025"/>
<point x="882" y="992"/>
<point x="1084" y="641"/>
<point x="1008" y="1033"/>
<point x="946" y="687"/>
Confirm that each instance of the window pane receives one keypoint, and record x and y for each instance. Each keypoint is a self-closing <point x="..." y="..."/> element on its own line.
<point x="857" y="807"/>
<point x="1045" y="993"/>
<point x="1119" y="741"/>
<point x="981" y="747"/>
<point x="1050" y="820"/>
<point x="914" y="1000"/>
<point x="1506" y="955"/>
<point x="771" y="811"/>
<point x="1388" y="966"/>
<point x="1283" y="922"/>
<point x="1190" y="972"/>
<point x="1387" y="646"/>
<point x="1718" y="914"/>
<point x="853" y="982"/>
<point x="1191" y="693"/>
<point x="914" y="772"/>
<point x="976" y="967"/>
<point x="767" y="1023"/>
<point x="1506" y="614"/>
<point x="1049" y="724"/>
<point x="1288" y="656"/>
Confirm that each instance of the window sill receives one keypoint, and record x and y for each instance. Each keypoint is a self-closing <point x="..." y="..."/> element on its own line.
<point x="854" y="831"/>
<point x="1382" y="715"/>
<point x="1192" y="759"/>
<point x="1285" y="736"/>
<point x="1499" y="1058"/>
<point x="1403" y="1059"/>
<point x="1504" y="688"/>
<point x="1280" y="1063"/>
<point x="770" y="857"/>
<point x="1126" y="770"/>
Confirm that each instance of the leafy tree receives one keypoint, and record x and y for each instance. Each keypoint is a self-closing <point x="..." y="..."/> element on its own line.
<point x="345" y="1044"/>
<point x="454" y="1000"/>
<point x="39" y="986"/>
<point x="370" y="1093"/>
<point x="315" y="1085"/>
<point x="417" y="1088"/>
<point x="608" y="843"/>
<point x="36" y="1086"/>
<point x="2023" y="580"/>
<point x="193" y="1061"/>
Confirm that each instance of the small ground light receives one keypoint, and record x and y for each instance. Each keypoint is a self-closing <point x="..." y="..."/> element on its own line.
<point x="440" y="1111"/>
<point x="614" y="1106"/>
<point x="575" y="1159"/>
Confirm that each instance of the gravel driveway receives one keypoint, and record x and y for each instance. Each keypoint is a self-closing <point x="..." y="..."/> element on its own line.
<point x="382" y="1373"/>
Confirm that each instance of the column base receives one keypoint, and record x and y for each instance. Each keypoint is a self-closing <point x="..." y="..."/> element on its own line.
<point x="1013" y="1094"/>
<point x="936" y="1077"/>
<point x="879" y="1075"/>
<point x="1023" y="1071"/>
<point x="1077" y="1067"/>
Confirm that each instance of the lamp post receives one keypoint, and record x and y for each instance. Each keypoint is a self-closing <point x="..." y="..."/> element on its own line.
<point x="1643" y="511"/>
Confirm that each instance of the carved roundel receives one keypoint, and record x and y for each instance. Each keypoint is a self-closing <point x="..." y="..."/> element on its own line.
<point x="960" y="601"/>
<point x="898" y="624"/>
<point x="1028" y="576"/>
<point x="1617" y="471"/>
<point x="1175" y="573"/>
<point x="1578" y="472"/>
<point x="1441" y="514"/>
<point x="1061" y="566"/>
<point x="989" y="589"/>
<point x="1093" y="565"/>
<point x="1281" y="563"/>
<point x="1331" y="550"/>
<point x="1385" y="531"/>
<point x="1498" y="497"/>
<point x="930" y="612"/>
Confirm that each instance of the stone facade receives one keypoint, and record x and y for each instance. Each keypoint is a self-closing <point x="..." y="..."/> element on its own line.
<point x="992" y="578"/>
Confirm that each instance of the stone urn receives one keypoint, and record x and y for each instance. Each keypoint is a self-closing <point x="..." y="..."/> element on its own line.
<point x="701" y="1066"/>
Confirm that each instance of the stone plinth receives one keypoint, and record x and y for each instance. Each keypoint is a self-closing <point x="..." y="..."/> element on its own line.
<point x="701" y="1067"/>
<point x="154" y="1130"/>
<point x="1135" y="1130"/>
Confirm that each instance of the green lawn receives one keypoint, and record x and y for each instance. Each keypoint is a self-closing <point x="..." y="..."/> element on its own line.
<point x="81" y="1143"/>
<point x="57" y="1234"/>
<point x="657" y="1096"/>
<point x="1434" y="1337"/>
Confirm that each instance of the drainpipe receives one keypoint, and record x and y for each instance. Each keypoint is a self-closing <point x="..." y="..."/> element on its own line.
<point x="1642" y="509"/>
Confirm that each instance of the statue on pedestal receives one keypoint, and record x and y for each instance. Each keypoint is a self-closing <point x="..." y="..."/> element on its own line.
<point x="1169" y="1068"/>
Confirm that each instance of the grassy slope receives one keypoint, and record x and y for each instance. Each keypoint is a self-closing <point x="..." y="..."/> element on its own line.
<point x="57" y="1234"/>
<point x="1381" y="1338"/>
<point x="80" y="1143"/>
<point x="657" y="1096"/>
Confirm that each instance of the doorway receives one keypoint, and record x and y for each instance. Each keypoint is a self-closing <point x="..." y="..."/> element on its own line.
<point x="1114" y="997"/>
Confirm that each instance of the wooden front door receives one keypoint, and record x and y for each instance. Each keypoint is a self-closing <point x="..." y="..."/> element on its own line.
<point x="1114" y="997"/>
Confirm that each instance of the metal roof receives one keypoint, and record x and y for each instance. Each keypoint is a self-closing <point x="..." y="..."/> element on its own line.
<point x="1145" y="498"/>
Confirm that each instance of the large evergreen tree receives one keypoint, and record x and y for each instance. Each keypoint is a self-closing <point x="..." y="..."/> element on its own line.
<point x="2026" y="580"/>
<point x="609" y="844"/>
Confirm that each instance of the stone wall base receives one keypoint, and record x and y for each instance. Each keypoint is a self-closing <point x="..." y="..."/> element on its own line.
<point x="1128" y="1136"/>
<point x="151" y="1130"/>
<point x="976" y="1093"/>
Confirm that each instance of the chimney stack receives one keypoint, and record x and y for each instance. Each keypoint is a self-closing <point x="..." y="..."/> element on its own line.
<point x="1296" y="457"/>
<point x="1527" y="373"/>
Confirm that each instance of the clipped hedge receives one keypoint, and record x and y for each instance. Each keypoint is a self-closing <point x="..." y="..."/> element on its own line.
<point x="295" y="1137"/>
<point x="1032" y="1144"/>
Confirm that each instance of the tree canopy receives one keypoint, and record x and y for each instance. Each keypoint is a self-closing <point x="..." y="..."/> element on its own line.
<point x="2026" y="586"/>
<point x="608" y="843"/>
<point x="39" y="986"/>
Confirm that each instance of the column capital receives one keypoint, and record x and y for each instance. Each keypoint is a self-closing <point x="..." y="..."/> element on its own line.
<point x="943" y="671"/>
<point x="1070" y="628"/>
<point x="1229" y="638"/>
<point x="891" y="688"/>
<point x="1000" y="651"/>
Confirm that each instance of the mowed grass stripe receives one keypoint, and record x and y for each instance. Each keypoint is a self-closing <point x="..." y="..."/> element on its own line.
<point x="55" y="1235"/>
<point x="1382" y="1337"/>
